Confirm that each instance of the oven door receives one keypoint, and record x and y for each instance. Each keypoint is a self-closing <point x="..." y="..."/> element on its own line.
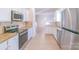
<point x="23" y="38"/>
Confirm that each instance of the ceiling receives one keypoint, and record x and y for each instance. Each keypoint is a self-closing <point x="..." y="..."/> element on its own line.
<point x="40" y="11"/>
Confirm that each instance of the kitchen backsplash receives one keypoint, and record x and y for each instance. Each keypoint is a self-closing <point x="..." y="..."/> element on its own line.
<point x="5" y="23"/>
<point x="20" y="24"/>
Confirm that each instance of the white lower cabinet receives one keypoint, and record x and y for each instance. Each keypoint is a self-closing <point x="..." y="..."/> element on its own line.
<point x="29" y="33"/>
<point x="10" y="44"/>
<point x="3" y="46"/>
<point x="13" y="43"/>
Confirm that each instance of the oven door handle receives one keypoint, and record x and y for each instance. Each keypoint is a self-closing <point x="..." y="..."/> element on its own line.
<point x="23" y="33"/>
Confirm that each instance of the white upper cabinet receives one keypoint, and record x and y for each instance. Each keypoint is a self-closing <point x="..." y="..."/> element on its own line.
<point x="5" y="14"/>
<point x="30" y="33"/>
<point x="25" y="14"/>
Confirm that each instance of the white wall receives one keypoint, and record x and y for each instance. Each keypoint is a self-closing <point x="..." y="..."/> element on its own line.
<point x="42" y="20"/>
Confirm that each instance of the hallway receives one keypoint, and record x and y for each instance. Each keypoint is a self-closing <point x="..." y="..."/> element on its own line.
<point x="42" y="41"/>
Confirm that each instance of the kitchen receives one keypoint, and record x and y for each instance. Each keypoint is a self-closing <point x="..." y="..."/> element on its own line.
<point x="18" y="27"/>
<point x="36" y="29"/>
<point x="15" y="27"/>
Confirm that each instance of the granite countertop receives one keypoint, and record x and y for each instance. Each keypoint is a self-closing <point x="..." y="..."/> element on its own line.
<point x="6" y="36"/>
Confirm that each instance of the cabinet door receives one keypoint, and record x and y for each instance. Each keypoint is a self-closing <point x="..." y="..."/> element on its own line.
<point x="5" y="14"/>
<point x="3" y="45"/>
<point x="23" y="38"/>
<point x="30" y="33"/>
<point x="13" y="43"/>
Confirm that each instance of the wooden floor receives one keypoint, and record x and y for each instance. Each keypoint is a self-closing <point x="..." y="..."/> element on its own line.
<point x="42" y="41"/>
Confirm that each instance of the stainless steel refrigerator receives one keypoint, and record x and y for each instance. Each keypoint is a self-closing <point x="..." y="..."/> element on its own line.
<point x="70" y="29"/>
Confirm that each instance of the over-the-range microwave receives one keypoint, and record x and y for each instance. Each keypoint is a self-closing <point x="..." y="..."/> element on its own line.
<point x="16" y="16"/>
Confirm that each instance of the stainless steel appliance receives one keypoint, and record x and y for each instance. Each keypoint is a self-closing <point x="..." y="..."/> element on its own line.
<point x="11" y="28"/>
<point x="23" y="37"/>
<point x="16" y="16"/>
<point x="70" y="28"/>
<point x="59" y="31"/>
